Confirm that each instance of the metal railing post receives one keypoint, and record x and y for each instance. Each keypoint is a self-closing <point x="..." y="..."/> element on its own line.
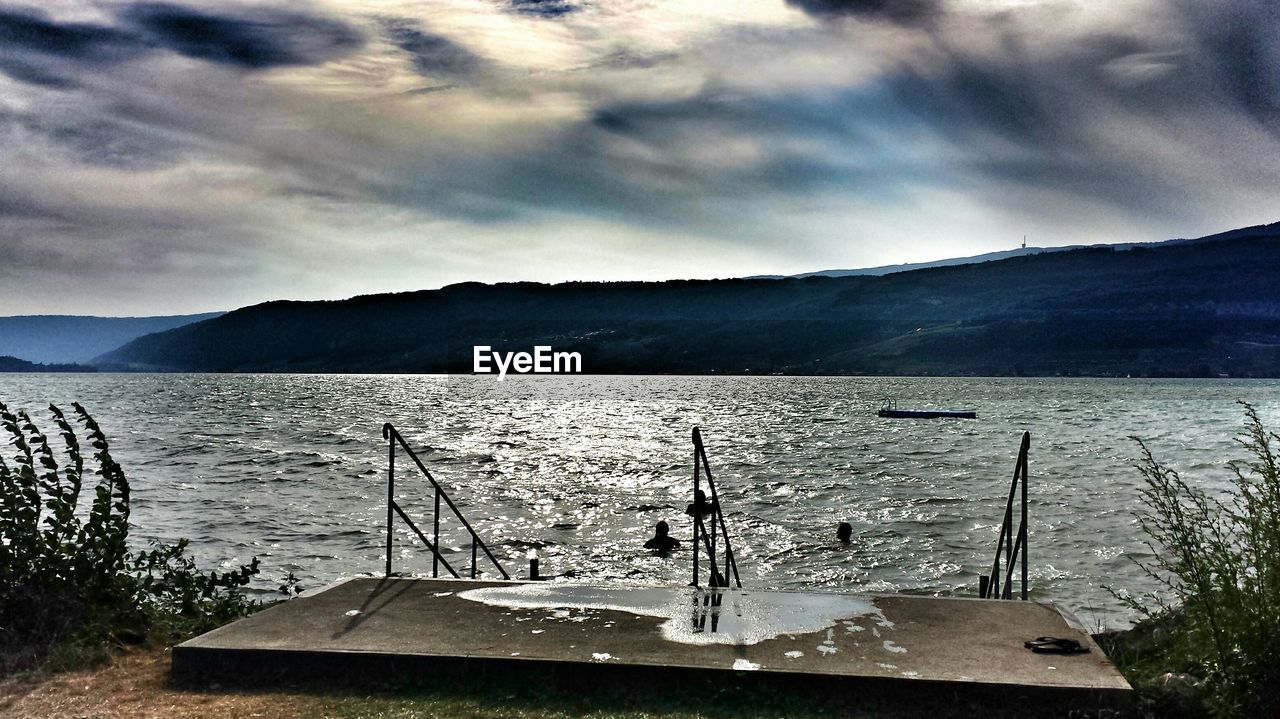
<point x="1014" y="548"/>
<point x="1022" y="462"/>
<point x="435" y="560"/>
<point x="697" y="518"/>
<point x="715" y="571"/>
<point x="1008" y="526"/>
<point x="391" y="490"/>
<point x="994" y="589"/>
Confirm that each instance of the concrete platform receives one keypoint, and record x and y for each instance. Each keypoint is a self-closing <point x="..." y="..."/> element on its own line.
<point x="897" y="645"/>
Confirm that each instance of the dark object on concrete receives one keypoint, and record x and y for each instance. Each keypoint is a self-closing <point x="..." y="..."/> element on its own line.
<point x="662" y="541"/>
<point x="1054" y="645"/>
<point x="844" y="532"/>
<point x="906" y="649"/>
<point x="890" y="409"/>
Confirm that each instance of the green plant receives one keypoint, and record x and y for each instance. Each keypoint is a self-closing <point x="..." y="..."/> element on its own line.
<point x="68" y="580"/>
<point x="291" y="586"/>
<point x="1219" y="560"/>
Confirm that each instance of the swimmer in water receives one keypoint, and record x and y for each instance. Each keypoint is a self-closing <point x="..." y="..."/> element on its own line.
<point x="700" y="507"/>
<point x="844" y="532"/>
<point x="662" y="540"/>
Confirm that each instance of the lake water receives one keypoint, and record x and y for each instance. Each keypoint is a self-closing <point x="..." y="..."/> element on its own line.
<point x="292" y="469"/>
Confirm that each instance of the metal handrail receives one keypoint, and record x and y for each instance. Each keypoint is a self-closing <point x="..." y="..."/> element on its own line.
<point x="393" y="437"/>
<point x="989" y="586"/>
<point x="699" y="529"/>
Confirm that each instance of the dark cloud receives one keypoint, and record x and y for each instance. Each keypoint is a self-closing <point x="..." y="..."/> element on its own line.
<point x="100" y="140"/>
<point x="1046" y="106"/>
<point x="31" y="45"/>
<point x="432" y="55"/>
<point x="76" y="41"/>
<point x="590" y="167"/>
<point x="266" y="38"/>
<point x="1002" y="117"/>
<point x="1237" y="43"/>
<point x="614" y="120"/>
<point x="986" y="96"/>
<point x="24" y="70"/>
<point x="543" y="8"/>
<point x="905" y="12"/>
<point x="834" y="116"/>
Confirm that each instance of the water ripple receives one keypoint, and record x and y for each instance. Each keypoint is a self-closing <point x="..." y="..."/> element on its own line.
<point x="292" y="468"/>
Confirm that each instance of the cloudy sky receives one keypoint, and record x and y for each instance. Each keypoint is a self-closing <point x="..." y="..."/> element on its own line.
<point x="169" y="157"/>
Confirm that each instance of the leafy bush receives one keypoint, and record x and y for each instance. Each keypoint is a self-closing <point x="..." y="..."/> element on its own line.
<point x="1219" y="559"/>
<point x="69" y="584"/>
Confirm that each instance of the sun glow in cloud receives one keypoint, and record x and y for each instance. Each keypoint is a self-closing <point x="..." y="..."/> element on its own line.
<point x="179" y="156"/>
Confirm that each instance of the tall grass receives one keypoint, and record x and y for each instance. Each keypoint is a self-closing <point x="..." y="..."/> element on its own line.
<point x="1218" y="559"/>
<point x="70" y="586"/>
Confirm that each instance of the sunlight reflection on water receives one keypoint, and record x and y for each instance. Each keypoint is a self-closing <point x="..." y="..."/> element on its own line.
<point x="292" y="468"/>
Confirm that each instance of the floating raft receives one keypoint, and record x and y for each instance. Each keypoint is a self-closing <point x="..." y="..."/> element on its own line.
<point x="928" y="413"/>
<point x="894" y="646"/>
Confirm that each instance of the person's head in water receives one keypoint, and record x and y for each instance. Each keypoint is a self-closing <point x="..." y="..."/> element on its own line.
<point x="700" y="507"/>
<point x="662" y="541"/>
<point x="844" y="532"/>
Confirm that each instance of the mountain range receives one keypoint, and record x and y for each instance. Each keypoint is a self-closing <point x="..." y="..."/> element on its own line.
<point x="1204" y="307"/>
<point x="1259" y="230"/>
<point x="72" y="339"/>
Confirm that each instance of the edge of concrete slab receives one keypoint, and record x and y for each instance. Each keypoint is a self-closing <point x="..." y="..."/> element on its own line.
<point x="327" y="670"/>
<point x="201" y="661"/>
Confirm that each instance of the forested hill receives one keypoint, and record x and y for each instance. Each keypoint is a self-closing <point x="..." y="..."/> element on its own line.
<point x="1201" y="308"/>
<point x="14" y="364"/>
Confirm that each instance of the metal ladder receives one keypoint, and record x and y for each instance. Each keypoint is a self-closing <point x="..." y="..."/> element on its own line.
<point x="394" y="438"/>
<point x="1013" y="548"/>
<point x="702" y="538"/>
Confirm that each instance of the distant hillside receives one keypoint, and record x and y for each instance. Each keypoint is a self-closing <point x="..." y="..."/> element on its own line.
<point x="909" y="266"/>
<point x="13" y="364"/>
<point x="70" y="338"/>
<point x="1257" y="231"/>
<point x="1199" y="308"/>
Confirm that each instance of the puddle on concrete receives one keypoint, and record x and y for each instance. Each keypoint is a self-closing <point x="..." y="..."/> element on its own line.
<point x="693" y="616"/>
<point x="828" y="647"/>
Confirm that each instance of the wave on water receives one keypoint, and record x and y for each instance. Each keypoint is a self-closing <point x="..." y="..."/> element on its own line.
<point x="293" y="468"/>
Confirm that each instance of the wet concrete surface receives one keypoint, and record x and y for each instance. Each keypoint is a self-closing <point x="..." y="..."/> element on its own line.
<point x="903" y="642"/>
